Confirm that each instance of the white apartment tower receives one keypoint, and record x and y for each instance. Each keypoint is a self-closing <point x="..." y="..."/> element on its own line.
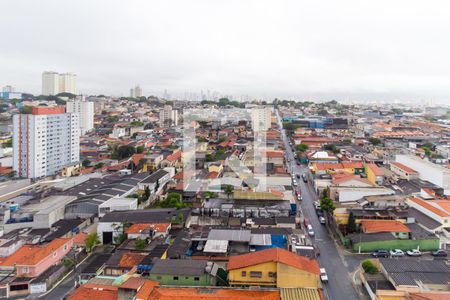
<point x="85" y="110"/>
<point x="45" y="141"/>
<point x="261" y="119"/>
<point x="136" y="92"/>
<point x="54" y="83"/>
<point x="168" y="116"/>
<point x="68" y="83"/>
<point x="50" y="83"/>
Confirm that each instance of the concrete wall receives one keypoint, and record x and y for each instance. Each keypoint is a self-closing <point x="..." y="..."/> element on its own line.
<point x="424" y="245"/>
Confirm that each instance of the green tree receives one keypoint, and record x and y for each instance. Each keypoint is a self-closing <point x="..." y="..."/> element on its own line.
<point x="140" y="149"/>
<point x="99" y="165"/>
<point x="322" y="112"/>
<point x="91" y="241"/>
<point x="137" y="123"/>
<point x="25" y="109"/>
<point x="140" y="244"/>
<point x="327" y="204"/>
<point x="8" y="143"/>
<point x="331" y="147"/>
<point x="123" y="151"/>
<point x="351" y="225"/>
<point x="301" y="147"/>
<point x="228" y="189"/>
<point x="369" y="267"/>
<point x="86" y="163"/>
<point x="374" y="141"/>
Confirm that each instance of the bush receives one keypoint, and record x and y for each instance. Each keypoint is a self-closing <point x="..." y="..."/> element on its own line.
<point x="369" y="267"/>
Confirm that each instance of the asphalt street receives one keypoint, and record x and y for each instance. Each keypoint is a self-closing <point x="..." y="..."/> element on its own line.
<point x="339" y="286"/>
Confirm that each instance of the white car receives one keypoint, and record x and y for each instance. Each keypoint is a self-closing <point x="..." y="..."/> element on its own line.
<point x="294" y="182"/>
<point x="414" y="252"/>
<point x="323" y="275"/>
<point x="322" y="220"/>
<point x="397" y="253"/>
<point x="310" y="230"/>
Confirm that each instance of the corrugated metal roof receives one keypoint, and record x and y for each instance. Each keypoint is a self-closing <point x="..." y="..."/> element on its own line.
<point x="229" y="235"/>
<point x="299" y="294"/>
<point x="260" y="240"/>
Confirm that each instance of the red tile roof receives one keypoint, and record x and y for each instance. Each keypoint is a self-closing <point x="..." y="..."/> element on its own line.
<point x="375" y="226"/>
<point x="274" y="154"/>
<point x="404" y="168"/>
<point x="376" y="171"/>
<point x="158" y="227"/>
<point x="195" y="293"/>
<point x="131" y="259"/>
<point x="274" y="255"/>
<point x="427" y="205"/>
<point x="94" y="291"/>
<point x="30" y="255"/>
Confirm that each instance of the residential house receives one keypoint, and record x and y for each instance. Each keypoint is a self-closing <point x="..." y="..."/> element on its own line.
<point x="404" y="171"/>
<point x="374" y="174"/>
<point x="184" y="272"/>
<point x="273" y="267"/>
<point x="148" y="230"/>
<point x="33" y="260"/>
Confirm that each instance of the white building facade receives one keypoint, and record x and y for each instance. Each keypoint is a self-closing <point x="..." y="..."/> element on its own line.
<point x="85" y="110"/>
<point x="168" y="116"/>
<point x="54" y="83"/>
<point x="45" y="141"/>
<point x="427" y="170"/>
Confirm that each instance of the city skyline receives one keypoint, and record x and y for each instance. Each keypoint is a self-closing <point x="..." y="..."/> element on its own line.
<point x="321" y="51"/>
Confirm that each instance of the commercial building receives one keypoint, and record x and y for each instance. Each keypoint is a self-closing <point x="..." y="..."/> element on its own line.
<point x="45" y="141"/>
<point x="54" y="83"/>
<point x="85" y="110"/>
<point x="427" y="170"/>
<point x="168" y="116"/>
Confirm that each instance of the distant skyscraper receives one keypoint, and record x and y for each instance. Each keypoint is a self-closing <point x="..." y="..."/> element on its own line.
<point x="8" y="89"/>
<point x="85" y="110"/>
<point x="45" y="141"/>
<point x="54" y="83"/>
<point x="168" y="116"/>
<point x="136" y="92"/>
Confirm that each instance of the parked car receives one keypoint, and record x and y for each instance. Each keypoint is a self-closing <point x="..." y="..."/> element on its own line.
<point x="322" y="220"/>
<point x="439" y="253"/>
<point x="299" y="198"/>
<point x="298" y="176"/>
<point x="414" y="252"/>
<point x="380" y="253"/>
<point x="323" y="275"/>
<point x="319" y="212"/>
<point x="397" y="253"/>
<point x="294" y="182"/>
<point x="304" y="178"/>
<point x="310" y="230"/>
<point x="316" y="204"/>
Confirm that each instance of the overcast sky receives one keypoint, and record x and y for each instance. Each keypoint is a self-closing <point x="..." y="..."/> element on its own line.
<point x="320" y="49"/>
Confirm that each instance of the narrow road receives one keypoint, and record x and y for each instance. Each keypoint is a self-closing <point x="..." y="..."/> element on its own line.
<point x="339" y="286"/>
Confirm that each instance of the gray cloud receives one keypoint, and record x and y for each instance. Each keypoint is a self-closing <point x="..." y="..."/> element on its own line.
<point x="353" y="48"/>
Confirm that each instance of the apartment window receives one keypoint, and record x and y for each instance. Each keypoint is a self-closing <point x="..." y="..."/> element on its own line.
<point x="244" y="274"/>
<point x="65" y="247"/>
<point x="25" y="270"/>
<point x="158" y="277"/>
<point x="255" y="274"/>
<point x="197" y="278"/>
<point x="54" y="254"/>
<point x="175" y="278"/>
<point x="272" y="274"/>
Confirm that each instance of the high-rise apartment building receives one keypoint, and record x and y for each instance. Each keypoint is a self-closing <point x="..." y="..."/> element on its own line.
<point x="50" y="83"/>
<point x="168" y="116"/>
<point x="85" y="110"/>
<point x="261" y="119"/>
<point x="54" y="83"/>
<point x="68" y="83"/>
<point x="136" y="92"/>
<point x="45" y="141"/>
